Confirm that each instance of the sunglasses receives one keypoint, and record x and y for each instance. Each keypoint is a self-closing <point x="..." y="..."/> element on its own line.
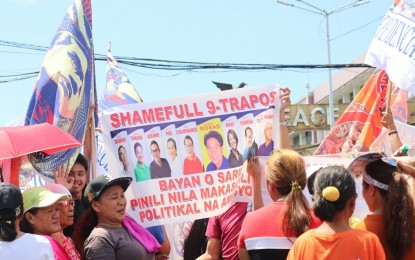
<point x="67" y="203"/>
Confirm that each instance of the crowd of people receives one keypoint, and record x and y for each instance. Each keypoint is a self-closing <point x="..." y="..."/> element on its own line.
<point x="75" y="218"/>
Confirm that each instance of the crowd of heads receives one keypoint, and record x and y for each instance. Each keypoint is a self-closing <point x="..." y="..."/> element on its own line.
<point x="49" y="209"/>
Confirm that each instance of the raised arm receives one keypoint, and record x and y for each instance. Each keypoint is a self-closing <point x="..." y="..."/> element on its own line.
<point x="387" y="121"/>
<point x="254" y="170"/>
<point x="285" y="102"/>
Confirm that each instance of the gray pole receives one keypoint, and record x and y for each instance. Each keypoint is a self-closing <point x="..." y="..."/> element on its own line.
<point x="320" y="11"/>
<point x="331" y="108"/>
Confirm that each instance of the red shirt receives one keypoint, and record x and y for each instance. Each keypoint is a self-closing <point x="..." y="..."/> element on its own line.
<point x="262" y="229"/>
<point x="192" y="165"/>
<point x="226" y="227"/>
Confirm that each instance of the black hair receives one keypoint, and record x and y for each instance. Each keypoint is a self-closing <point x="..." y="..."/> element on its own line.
<point x="172" y="140"/>
<point x="310" y="182"/>
<point x="137" y="145"/>
<point x="248" y="128"/>
<point x="188" y="138"/>
<point x="195" y="243"/>
<point x="338" y="177"/>
<point x="214" y="134"/>
<point x="119" y="148"/>
<point x="25" y="225"/>
<point x="8" y="230"/>
<point x="154" y="142"/>
<point x="83" y="161"/>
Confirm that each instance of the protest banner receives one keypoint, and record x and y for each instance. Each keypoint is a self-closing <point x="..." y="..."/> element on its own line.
<point x="392" y="48"/>
<point x="199" y="127"/>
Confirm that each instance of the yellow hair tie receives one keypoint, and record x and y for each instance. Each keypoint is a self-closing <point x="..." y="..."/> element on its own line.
<point x="295" y="185"/>
<point x="331" y="193"/>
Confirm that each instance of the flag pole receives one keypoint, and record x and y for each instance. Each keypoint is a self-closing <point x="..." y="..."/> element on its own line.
<point x="89" y="142"/>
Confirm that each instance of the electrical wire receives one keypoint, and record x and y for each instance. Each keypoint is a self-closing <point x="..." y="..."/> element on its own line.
<point x="175" y="65"/>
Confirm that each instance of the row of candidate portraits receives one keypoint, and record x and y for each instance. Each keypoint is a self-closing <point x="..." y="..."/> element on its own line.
<point x="164" y="165"/>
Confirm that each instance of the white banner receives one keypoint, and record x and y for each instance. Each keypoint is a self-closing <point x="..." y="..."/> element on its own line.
<point x="185" y="155"/>
<point x="393" y="46"/>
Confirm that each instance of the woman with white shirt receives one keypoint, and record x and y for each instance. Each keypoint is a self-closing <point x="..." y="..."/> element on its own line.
<point x="12" y="240"/>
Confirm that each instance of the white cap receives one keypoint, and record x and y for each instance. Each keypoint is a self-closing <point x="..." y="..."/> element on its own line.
<point x="58" y="188"/>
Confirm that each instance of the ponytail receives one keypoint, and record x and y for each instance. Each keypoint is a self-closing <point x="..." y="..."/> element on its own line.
<point x="296" y="216"/>
<point x="285" y="170"/>
<point x="333" y="188"/>
<point x="399" y="216"/>
<point x="8" y="230"/>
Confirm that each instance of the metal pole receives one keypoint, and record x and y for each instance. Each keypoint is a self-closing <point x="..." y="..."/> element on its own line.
<point x="331" y="108"/>
<point x="314" y="9"/>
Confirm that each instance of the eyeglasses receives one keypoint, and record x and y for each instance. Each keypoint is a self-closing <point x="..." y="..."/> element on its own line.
<point x="66" y="203"/>
<point x="155" y="150"/>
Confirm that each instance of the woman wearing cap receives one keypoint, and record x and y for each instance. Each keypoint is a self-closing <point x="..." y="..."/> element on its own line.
<point x="391" y="217"/>
<point x="66" y="219"/>
<point x="334" y="203"/>
<point x="42" y="216"/>
<point x="104" y="231"/>
<point x="13" y="242"/>
<point x="269" y="232"/>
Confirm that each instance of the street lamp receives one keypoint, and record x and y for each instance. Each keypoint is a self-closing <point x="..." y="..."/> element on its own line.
<point x="314" y="9"/>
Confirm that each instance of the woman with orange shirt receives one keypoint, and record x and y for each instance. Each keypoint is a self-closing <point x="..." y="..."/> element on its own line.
<point x="335" y="196"/>
<point x="391" y="217"/>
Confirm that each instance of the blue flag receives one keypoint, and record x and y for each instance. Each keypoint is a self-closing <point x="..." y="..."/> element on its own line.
<point x="118" y="90"/>
<point x="64" y="85"/>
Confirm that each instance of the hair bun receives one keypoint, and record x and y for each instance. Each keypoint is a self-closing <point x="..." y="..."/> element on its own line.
<point x="331" y="193"/>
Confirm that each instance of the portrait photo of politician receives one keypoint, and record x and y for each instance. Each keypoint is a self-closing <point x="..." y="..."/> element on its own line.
<point x="173" y="159"/>
<point x="214" y="144"/>
<point x="159" y="167"/>
<point x="235" y="157"/>
<point x="192" y="163"/>
<point x="251" y="148"/>
<point x="267" y="147"/>
<point x="122" y="156"/>
<point x="141" y="171"/>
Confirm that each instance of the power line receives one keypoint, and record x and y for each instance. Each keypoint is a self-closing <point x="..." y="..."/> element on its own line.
<point x="175" y="65"/>
<point x="357" y="28"/>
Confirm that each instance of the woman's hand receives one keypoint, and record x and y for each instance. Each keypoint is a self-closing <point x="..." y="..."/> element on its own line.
<point x="285" y="98"/>
<point x="254" y="168"/>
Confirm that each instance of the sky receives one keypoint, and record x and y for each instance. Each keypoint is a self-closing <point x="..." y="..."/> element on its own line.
<point x="214" y="31"/>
